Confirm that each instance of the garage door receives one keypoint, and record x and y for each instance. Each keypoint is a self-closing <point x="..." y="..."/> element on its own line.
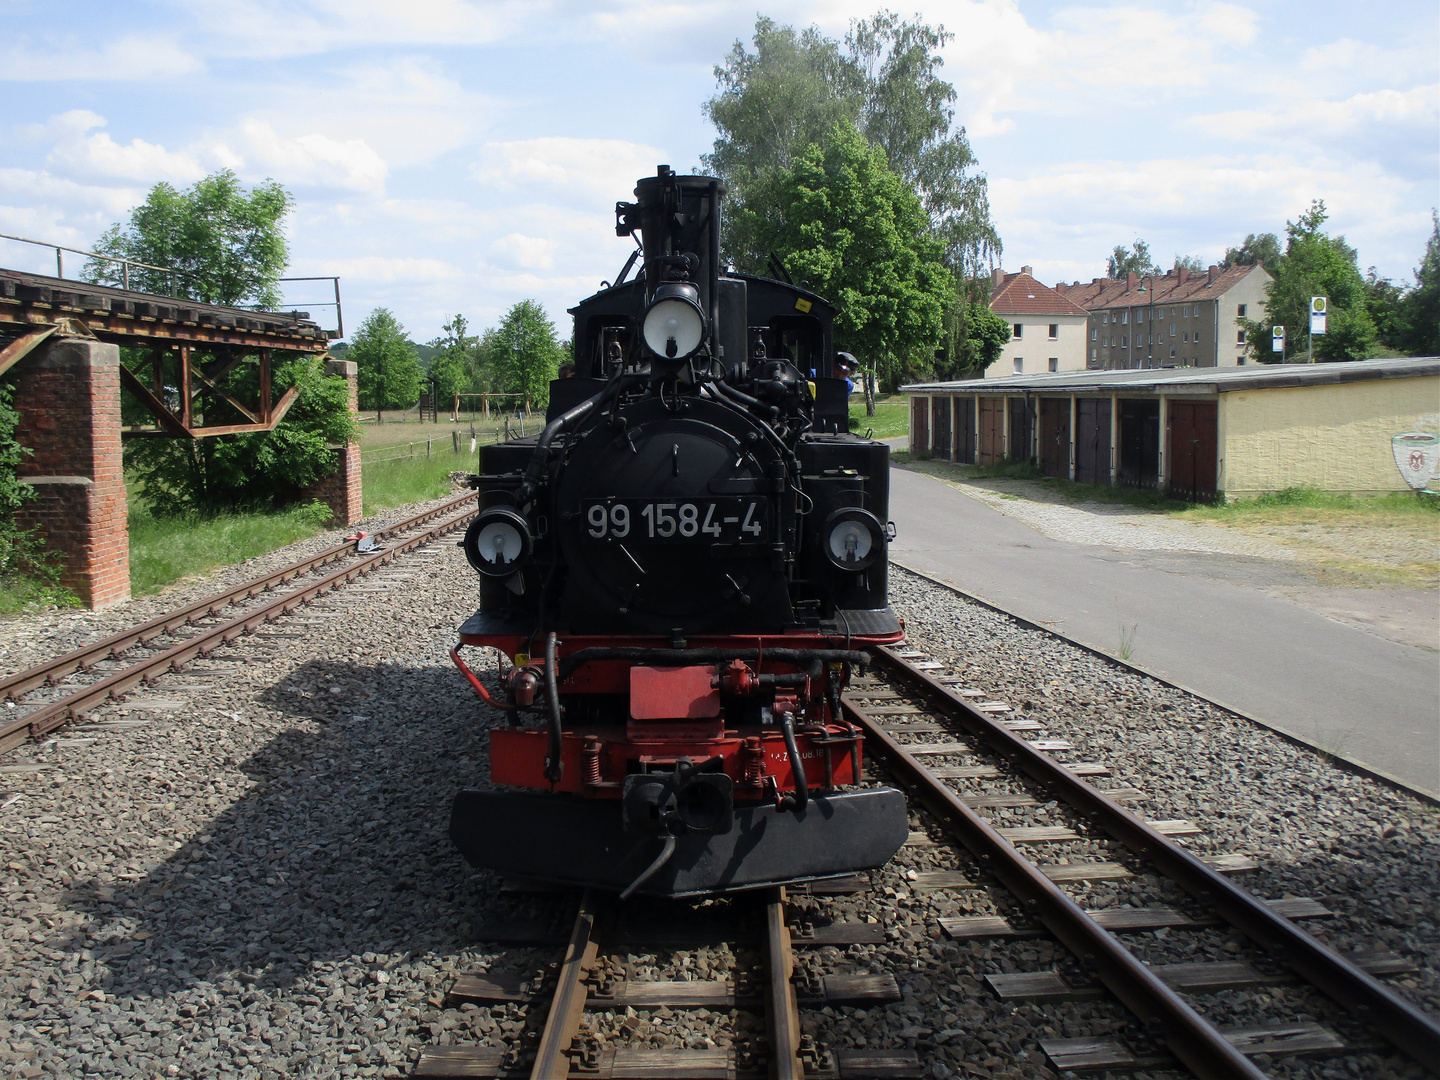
<point x="1193" y="449"/>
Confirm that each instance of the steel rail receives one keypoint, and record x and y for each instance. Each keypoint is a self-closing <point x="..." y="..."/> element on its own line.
<point x="52" y="671"/>
<point x="1164" y="1012"/>
<point x="54" y="714"/>
<point x="567" y="1006"/>
<point x="1411" y="1029"/>
<point x="782" y="1009"/>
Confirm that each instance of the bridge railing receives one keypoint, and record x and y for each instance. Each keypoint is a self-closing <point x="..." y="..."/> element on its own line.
<point x="126" y="265"/>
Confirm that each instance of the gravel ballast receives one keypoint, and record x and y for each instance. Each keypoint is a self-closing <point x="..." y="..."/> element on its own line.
<point x="258" y="882"/>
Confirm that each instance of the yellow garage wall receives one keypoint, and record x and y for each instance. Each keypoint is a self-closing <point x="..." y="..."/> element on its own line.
<point x="1331" y="437"/>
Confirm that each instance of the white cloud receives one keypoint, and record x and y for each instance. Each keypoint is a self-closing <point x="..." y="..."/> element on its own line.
<point x="1319" y="120"/>
<point x="130" y="58"/>
<point x="379" y="269"/>
<point x="529" y="252"/>
<point x="607" y="168"/>
<point x="78" y="151"/>
<point x="315" y="159"/>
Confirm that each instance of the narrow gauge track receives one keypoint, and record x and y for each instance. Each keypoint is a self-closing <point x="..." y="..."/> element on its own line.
<point x="585" y="1032"/>
<point x="66" y="703"/>
<point x="1169" y="1026"/>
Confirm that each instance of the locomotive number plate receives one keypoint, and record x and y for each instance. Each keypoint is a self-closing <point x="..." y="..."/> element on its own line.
<point x="698" y="521"/>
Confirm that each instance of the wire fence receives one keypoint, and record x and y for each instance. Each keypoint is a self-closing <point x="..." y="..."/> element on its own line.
<point x="460" y="443"/>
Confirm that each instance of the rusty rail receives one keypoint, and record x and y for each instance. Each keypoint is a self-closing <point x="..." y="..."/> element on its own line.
<point x="1408" y="1027"/>
<point x="53" y="714"/>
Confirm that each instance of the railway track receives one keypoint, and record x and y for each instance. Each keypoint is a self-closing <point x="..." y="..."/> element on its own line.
<point x="59" y="691"/>
<point x="734" y="958"/>
<point x="931" y="733"/>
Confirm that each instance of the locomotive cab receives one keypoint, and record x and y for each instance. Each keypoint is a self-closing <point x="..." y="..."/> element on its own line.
<point x="682" y="570"/>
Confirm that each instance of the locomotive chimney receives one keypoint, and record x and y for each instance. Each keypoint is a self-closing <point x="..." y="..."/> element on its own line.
<point x="680" y="215"/>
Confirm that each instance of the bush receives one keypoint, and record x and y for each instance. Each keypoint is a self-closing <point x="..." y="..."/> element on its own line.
<point x="29" y="575"/>
<point x="250" y="471"/>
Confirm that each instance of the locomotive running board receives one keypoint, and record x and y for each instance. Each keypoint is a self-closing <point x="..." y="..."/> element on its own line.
<point x="573" y="841"/>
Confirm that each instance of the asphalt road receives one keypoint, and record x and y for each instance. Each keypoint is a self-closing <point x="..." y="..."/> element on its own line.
<point x="1195" y="619"/>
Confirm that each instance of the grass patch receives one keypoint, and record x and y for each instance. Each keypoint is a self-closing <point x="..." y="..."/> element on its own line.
<point x="891" y="419"/>
<point x="20" y="594"/>
<point x="413" y="479"/>
<point x="166" y="549"/>
<point x="1297" y="503"/>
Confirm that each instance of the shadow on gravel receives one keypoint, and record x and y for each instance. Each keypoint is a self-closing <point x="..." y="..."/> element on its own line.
<point x="339" y="850"/>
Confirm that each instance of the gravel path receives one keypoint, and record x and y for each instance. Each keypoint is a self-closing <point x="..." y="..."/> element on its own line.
<point x="244" y="871"/>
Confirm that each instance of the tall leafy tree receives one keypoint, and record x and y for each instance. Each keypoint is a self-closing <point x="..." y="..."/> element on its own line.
<point x="1316" y="264"/>
<point x="387" y="368"/>
<point x="1418" y="315"/>
<point x="455" y="363"/>
<point x="1257" y="248"/>
<point x="1191" y="263"/>
<point x="225" y="244"/>
<point x="975" y="335"/>
<point x="1133" y="260"/>
<point x="790" y="93"/>
<point x="859" y="234"/>
<point x="523" y="353"/>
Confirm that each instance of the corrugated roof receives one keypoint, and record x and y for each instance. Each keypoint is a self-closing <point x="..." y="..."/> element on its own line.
<point x="1160" y="289"/>
<point x="1192" y="380"/>
<point x="1021" y="294"/>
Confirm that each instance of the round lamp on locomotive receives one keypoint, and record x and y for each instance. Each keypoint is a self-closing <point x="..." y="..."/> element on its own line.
<point x="674" y="325"/>
<point x="498" y="542"/>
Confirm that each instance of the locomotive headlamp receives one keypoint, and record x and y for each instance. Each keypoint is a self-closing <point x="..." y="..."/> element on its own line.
<point x="498" y="542"/>
<point x="674" y="324"/>
<point x="854" y="539"/>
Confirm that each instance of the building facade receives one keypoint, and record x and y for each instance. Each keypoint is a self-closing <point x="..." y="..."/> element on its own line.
<point x="1047" y="331"/>
<point x="1366" y="427"/>
<point x="1177" y="319"/>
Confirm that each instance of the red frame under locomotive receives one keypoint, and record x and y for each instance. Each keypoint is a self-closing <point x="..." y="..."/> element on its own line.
<point x="678" y="708"/>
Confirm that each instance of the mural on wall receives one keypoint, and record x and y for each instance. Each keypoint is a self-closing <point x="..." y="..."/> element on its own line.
<point x="1417" y="454"/>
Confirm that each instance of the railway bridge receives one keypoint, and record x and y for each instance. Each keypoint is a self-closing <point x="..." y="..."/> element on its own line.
<point x="60" y="342"/>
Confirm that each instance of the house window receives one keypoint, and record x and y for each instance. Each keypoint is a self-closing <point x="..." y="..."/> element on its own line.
<point x="1124" y="342"/>
<point x="1239" y="337"/>
<point x="1172" y="329"/>
<point x="1172" y="353"/>
<point x="1018" y="329"/>
<point x="1019" y="365"/>
<point x="1240" y="311"/>
<point x="1185" y="336"/>
<point x="1104" y="316"/>
<point x="1094" y="354"/>
<point x="1124" y="317"/>
<point x="1197" y="335"/>
<point x="1094" y="334"/>
<point x="1054" y="363"/>
<point x="1160" y="338"/>
<point x="1054" y="330"/>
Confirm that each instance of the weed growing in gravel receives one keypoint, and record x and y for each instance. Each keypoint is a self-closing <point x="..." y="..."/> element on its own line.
<point x="166" y="549"/>
<point x="1126" y="648"/>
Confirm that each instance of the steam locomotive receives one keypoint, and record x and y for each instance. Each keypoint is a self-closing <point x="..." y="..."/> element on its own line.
<point x="682" y="567"/>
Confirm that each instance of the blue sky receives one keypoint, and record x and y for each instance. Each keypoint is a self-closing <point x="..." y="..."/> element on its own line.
<point x="451" y="156"/>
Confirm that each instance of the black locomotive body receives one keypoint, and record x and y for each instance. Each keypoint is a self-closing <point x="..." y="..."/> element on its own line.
<point x="682" y="567"/>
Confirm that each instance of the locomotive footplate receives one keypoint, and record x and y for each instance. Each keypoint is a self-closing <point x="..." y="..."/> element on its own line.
<point x="576" y="841"/>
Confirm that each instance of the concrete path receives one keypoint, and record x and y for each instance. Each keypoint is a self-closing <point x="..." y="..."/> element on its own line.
<point x="1198" y="619"/>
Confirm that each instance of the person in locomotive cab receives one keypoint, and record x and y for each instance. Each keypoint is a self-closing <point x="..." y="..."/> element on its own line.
<point x="567" y="371"/>
<point x="844" y="368"/>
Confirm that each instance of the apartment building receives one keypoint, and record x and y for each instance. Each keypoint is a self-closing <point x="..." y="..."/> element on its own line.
<point x="1176" y="319"/>
<point x="1047" y="331"/>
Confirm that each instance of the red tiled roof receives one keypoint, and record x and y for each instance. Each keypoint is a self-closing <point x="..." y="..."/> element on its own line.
<point x="1021" y="294"/>
<point x="1161" y="289"/>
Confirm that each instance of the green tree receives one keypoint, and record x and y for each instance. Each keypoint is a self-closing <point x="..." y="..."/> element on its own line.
<point x="975" y="335"/>
<point x="1134" y="260"/>
<point x="857" y="232"/>
<point x="1315" y="264"/>
<point x="523" y="354"/>
<point x="385" y="363"/>
<point x="1191" y="263"/>
<point x="455" y="362"/>
<point x="793" y="90"/>
<point x="1262" y="249"/>
<point x="1383" y="304"/>
<point x="263" y="469"/>
<point x="226" y="245"/>
<point x="1418" y="317"/>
